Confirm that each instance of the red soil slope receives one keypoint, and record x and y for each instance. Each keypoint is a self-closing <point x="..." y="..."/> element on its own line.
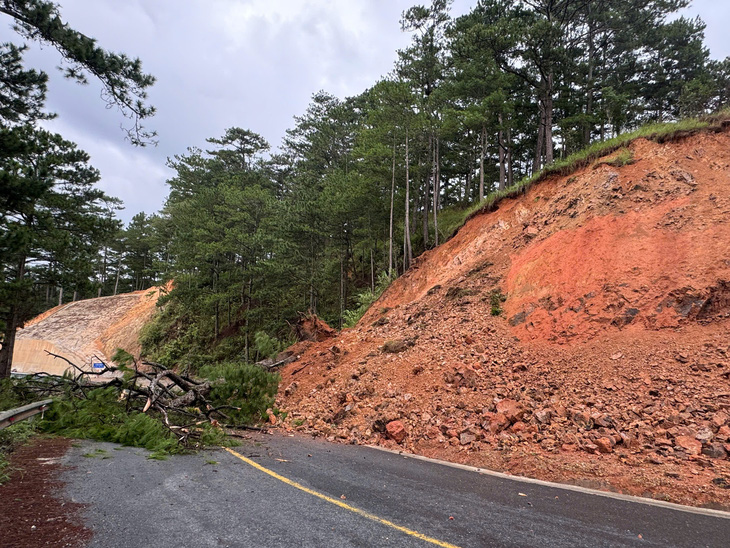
<point x="609" y="363"/>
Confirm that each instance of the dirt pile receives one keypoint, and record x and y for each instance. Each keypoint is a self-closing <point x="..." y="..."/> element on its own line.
<point x="581" y="332"/>
<point x="83" y="332"/>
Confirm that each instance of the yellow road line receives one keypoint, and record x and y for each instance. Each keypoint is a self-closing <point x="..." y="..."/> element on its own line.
<point x="341" y="504"/>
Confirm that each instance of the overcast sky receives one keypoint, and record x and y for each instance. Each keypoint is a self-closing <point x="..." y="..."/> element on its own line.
<point x="223" y="63"/>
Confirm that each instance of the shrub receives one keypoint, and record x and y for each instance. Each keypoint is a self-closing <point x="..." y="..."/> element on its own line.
<point x="366" y="299"/>
<point x="247" y="387"/>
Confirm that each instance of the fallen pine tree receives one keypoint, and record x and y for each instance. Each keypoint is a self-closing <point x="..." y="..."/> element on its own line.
<point x="144" y="404"/>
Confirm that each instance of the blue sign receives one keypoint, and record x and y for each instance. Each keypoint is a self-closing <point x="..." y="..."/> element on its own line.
<point x="98" y="366"/>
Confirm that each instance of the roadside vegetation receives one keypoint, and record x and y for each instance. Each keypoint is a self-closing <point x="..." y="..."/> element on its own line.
<point x="159" y="410"/>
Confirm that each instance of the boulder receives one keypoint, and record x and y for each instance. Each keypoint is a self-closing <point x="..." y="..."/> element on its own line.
<point x="714" y="451"/>
<point x="689" y="444"/>
<point x="605" y="445"/>
<point x="396" y="431"/>
<point x="510" y="409"/>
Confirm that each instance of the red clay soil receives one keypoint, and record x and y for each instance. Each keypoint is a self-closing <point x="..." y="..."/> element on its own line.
<point x="607" y="362"/>
<point x="32" y="511"/>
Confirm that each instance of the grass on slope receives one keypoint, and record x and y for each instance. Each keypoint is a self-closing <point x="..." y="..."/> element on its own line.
<point x="454" y="219"/>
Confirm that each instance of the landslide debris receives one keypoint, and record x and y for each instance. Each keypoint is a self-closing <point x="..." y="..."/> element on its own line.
<point x="604" y="358"/>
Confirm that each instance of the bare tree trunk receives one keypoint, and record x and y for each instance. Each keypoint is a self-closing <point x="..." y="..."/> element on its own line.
<point x="60" y="296"/>
<point x="510" y="167"/>
<point x="372" y="271"/>
<point x="500" y="142"/>
<point x="482" y="147"/>
<point x="424" y="217"/>
<point x="248" y="310"/>
<point x="116" y="282"/>
<point x="408" y="251"/>
<point x="537" y="162"/>
<point x="588" y="125"/>
<point x="392" y="200"/>
<point x="549" y="120"/>
<point x="342" y="288"/>
<point x="436" y="191"/>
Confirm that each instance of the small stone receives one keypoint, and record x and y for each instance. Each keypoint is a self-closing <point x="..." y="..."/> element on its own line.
<point x="581" y="419"/>
<point x="689" y="444"/>
<point x="510" y="409"/>
<point x="496" y="423"/>
<point x="466" y="438"/>
<point x="605" y="445"/>
<point x="543" y="416"/>
<point x="519" y="426"/>
<point x="617" y="356"/>
<point x="719" y="419"/>
<point x="396" y="431"/>
<point x="714" y="451"/>
<point x="590" y="448"/>
<point x="704" y="434"/>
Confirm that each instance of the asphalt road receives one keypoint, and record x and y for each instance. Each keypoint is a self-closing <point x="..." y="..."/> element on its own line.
<point x="311" y="493"/>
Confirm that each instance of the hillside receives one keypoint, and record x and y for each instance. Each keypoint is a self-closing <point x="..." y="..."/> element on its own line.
<point x="580" y="332"/>
<point x="83" y="331"/>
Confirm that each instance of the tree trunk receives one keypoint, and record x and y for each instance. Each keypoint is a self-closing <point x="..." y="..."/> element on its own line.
<point x="6" y="352"/>
<point x="537" y="162"/>
<point x="342" y="288"/>
<point x="408" y="251"/>
<point x="549" y="120"/>
<point x="436" y="191"/>
<point x="12" y="323"/>
<point x="588" y="124"/>
<point x="510" y="167"/>
<point x="482" y="147"/>
<point x="372" y="271"/>
<point x="500" y="142"/>
<point x="60" y="296"/>
<point x="246" y="328"/>
<point x="424" y="217"/>
<point x="392" y="201"/>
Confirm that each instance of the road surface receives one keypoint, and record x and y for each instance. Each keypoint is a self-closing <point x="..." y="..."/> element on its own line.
<point x="291" y="491"/>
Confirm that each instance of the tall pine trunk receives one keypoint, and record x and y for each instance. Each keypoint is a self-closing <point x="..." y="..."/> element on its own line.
<point x="549" y="120"/>
<point x="482" y="148"/>
<point x="408" y="250"/>
<point x="12" y="322"/>
<point x="392" y="200"/>
<point x="500" y="142"/>
<point x="436" y="190"/>
<point x="540" y="145"/>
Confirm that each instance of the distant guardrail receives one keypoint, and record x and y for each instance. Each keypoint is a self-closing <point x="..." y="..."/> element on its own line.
<point x="10" y="417"/>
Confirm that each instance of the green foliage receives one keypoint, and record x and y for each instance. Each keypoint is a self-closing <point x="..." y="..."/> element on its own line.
<point x="10" y="438"/>
<point x="11" y="394"/>
<point x="123" y="81"/>
<point x="102" y="417"/>
<point x="365" y="299"/>
<point x="496" y="298"/>
<point x="248" y="390"/>
<point x="266" y="345"/>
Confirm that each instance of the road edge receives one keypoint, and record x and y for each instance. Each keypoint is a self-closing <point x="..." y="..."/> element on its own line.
<point x="565" y="486"/>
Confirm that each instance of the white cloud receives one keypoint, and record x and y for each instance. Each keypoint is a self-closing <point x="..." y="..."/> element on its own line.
<point x="223" y="63"/>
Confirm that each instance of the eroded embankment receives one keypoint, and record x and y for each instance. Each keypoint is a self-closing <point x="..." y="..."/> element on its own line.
<point x="609" y="359"/>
